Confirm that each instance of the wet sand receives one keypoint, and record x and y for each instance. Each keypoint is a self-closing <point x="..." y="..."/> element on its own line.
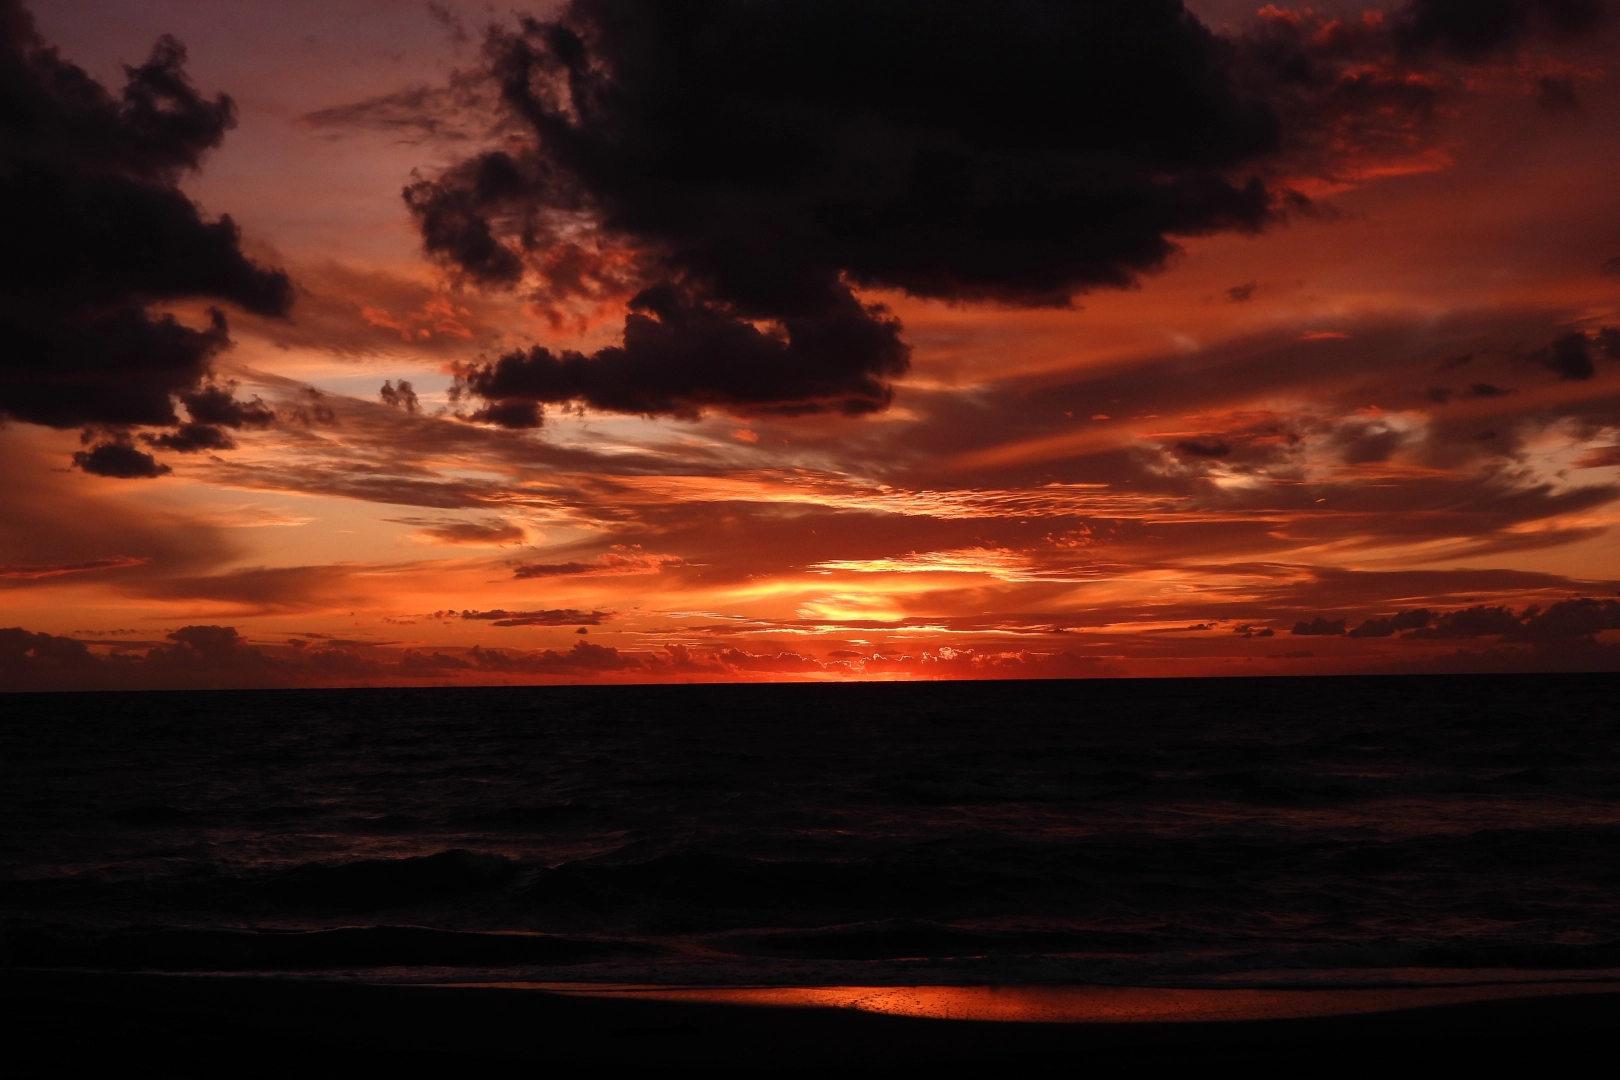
<point x="64" y="1022"/>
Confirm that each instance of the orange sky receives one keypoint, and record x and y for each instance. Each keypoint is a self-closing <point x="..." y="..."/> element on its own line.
<point x="1162" y="480"/>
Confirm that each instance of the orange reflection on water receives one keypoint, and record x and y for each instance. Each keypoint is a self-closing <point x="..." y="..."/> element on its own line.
<point x="1100" y="1004"/>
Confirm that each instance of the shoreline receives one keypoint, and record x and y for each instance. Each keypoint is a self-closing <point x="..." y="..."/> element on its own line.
<point x="167" y="1023"/>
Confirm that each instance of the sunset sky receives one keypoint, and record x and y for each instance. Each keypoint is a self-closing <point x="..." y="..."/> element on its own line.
<point x="632" y="342"/>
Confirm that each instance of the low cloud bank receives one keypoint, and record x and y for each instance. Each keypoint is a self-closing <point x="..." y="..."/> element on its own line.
<point x="218" y="657"/>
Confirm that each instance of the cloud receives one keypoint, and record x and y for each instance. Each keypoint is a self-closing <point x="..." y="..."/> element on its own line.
<point x="623" y="559"/>
<point x="1204" y="448"/>
<point x="1319" y="627"/>
<point x="50" y="570"/>
<point x="194" y="656"/>
<point x="708" y="164"/>
<point x="1571" y="355"/>
<point x="456" y="112"/>
<point x="97" y="231"/>
<point x="29" y="660"/>
<point x="735" y="171"/>
<point x="118" y="459"/>
<point x="682" y="354"/>
<point x="1440" y="395"/>
<point x="274" y="588"/>
<point x="402" y="396"/>
<point x="189" y="438"/>
<point x="583" y="657"/>
<point x="1474" y="29"/>
<point x="552" y="617"/>
<point x="1477" y="621"/>
<point x="466" y="533"/>
<point x="1599" y="457"/>
<point x="1381" y="628"/>
<point x="1564" y="620"/>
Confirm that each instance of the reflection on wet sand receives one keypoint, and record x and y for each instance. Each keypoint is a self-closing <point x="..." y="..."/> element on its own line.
<point x="1097" y="1004"/>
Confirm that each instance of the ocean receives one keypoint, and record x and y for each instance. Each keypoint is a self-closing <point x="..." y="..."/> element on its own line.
<point x="1328" y="832"/>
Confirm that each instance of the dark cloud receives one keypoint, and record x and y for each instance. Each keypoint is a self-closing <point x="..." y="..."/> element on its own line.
<point x="28" y="659"/>
<point x="1580" y="655"/>
<point x="552" y="617"/>
<point x="215" y="404"/>
<point x="1562" y="637"/>
<point x="415" y="114"/>
<point x="36" y="571"/>
<point x="1412" y="620"/>
<point x="265" y="589"/>
<point x="189" y="438"/>
<point x="1387" y="627"/>
<point x="1564" y="620"/>
<point x="194" y="656"/>
<point x="583" y="657"/>
<point x="681" y="354"/>
<point x="212" y="409"/>
<point x="191" y="657"/>
<point x="1556" y="94"/>
<point x="218" y="656"/>
<point x="739" y="167"/>
<point x="402" y="396"/>
<point x="196" y="645"/>
<point x="1319" y="627"/>
<point x="96" y="230"/>
<point x="1238" y="294"/>
<point x="472" y="533"/>
<point x="120" y="460"/>
<point x="1473" y="29"/>
<point x="1572" y="356"/>
<point x="622" y="559"/>
<point x="1204" y="448"/>
<point x="1440" y="395"/>
<point x="735" y="169"/>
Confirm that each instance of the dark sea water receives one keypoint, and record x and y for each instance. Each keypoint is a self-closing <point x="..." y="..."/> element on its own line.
<point x="1175" y="832"/>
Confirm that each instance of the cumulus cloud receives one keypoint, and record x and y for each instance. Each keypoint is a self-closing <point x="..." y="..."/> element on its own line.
<point x="97" y="230"/>
<point x="1565" y="620"/>
<point x="115" y="457"/>
<point x="1319" y="627"/>
<point x="708" y="163"/>
<point x="1385" y="627"/>
<point x="735" y="171"/>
